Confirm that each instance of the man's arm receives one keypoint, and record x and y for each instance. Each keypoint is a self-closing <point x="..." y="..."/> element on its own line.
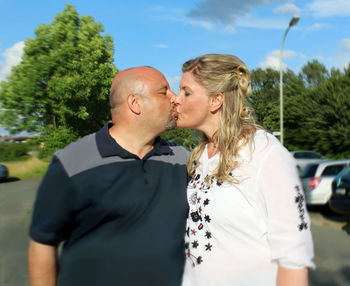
<point x="292" y="277"/>
<point x="42" y="264"/>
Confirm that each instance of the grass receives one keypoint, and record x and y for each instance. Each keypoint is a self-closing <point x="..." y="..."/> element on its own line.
<point x="32" y="168"/>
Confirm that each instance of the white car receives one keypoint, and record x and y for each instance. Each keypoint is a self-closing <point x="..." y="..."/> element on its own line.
<point x="305" y="157"/>
<point x="317" y="180"/>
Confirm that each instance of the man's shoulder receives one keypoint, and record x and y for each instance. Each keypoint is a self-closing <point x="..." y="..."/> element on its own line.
<point x="180" y="153"/>
<point x="80" y="155"/>
<point x="82" y="145"/>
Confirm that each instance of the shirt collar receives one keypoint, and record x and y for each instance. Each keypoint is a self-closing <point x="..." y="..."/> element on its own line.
<point x="108" y="147"/>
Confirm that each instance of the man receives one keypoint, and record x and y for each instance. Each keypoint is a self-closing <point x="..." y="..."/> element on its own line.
<point x="116" y="198"/>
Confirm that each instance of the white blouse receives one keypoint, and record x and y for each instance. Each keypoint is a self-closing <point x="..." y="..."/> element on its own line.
<point x="238" y="234"/>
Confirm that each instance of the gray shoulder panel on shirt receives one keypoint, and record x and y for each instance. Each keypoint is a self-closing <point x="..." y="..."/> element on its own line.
<point x="83" y="155"/>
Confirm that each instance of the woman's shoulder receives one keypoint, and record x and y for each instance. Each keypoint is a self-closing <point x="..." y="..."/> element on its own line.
<point x="264" y="140"/>
<point x="267" y="145"/>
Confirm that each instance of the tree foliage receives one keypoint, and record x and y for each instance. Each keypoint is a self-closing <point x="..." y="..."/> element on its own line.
<point x="316" y="107"/>
<point x="329" y="125"/>
<point x="63" y="80"/>
<point x="313" y="73"/>
<point x="188" y="138"/>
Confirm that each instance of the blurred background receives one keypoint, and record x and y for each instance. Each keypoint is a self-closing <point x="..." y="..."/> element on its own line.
<point x="57" y="60"/>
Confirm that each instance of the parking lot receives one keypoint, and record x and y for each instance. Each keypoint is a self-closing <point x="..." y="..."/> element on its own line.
<point x="332" y="243"/>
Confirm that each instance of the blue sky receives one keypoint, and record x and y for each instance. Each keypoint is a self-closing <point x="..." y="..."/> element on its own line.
<point x="165" y="33"/>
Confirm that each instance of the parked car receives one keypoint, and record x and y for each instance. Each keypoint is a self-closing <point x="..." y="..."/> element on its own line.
<point x="317" y="180"/>
<point x="4" y="172"/>
<point x="340" y="199"/>
<point x="305" y="157"/>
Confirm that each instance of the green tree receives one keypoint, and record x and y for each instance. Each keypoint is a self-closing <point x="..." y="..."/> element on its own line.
<point x="63" y="80"/>
<point x="264" y="97"/>
<point x="188" y="138"/>
<point x="313" y="73"/>
<point x="329" y="125"/>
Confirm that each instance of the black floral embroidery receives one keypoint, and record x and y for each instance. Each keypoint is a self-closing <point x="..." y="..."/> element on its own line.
<point x="195" y="216"/>
<point x="194" y="259"/>
<point x="208" y="247"/>
<point x="207" y="218"/>
<point x="299" y="200"/>
<point x="199" y="219"/>
<point x="195" y="244"/>
<point x="208" y="234"/>
<point x="218" y="183"/>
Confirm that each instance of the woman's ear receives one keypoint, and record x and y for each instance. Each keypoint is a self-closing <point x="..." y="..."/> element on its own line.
<point x="216" y="101"/>
<point x="133" y="102"/>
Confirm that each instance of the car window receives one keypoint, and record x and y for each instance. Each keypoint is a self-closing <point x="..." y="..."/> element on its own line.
<point x="298" y="155"/>
<point x="345" y="173"/>
<point x="307" y="155"/>
<point x="332" y="170"/>
<point x="312" y="155"/>
<point x="309" y="171"/>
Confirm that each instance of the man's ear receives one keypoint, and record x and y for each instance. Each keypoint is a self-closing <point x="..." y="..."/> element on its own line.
<point x="216" y="101"/>
<point x="133" y="102"/>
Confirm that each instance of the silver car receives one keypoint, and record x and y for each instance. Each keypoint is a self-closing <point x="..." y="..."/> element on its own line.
<point x="305" y="157"/>
<point x="4" y="172"/>
<point x="317" y="180"/>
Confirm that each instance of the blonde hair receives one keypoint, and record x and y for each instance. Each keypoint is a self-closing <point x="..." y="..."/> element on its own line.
<point x="226" y="74"/>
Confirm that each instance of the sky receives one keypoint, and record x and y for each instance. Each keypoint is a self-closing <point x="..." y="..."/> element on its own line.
<point x="165" y="34"/>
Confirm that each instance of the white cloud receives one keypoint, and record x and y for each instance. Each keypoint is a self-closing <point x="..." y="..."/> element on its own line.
<point x="229" y="29"/>
<point x="203" y="24"/>
<point x="186" y="21"/>
<point x="288" y="8"/>
<point x="317" y="27"/>
<point x="249" y="21"/>
<point x="224" y="11"/>
<point x="342" y="57"/>
<point x="345" y="44"/>
<point x="160" y="46"/>
<point x="272" y="60"/>
<point x="12" y="56"/>
<point x="329" y="8"/>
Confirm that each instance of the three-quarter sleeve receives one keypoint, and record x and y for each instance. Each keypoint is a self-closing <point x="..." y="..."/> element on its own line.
<point x="52" y="212"/>
<point x="288" y="223"/>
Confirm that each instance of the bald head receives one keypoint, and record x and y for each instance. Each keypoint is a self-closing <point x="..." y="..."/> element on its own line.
<point x="130" y="81"/>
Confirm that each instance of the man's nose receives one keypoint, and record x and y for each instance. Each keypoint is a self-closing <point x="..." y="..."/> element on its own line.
<point x="172" y="97"/>
<point x="176" y="99"/>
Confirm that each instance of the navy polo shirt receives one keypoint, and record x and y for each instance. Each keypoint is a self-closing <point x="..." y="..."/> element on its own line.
<point x="122" y="219"/>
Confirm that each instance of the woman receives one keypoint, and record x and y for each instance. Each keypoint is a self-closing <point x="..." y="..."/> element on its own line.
<point x="247" y="222"/>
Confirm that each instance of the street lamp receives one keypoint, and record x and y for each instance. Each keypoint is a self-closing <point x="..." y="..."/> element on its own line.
<point x="292" y="23"/>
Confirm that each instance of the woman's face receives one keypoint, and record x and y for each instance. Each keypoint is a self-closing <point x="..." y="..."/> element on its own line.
<point x="192" y="103"/>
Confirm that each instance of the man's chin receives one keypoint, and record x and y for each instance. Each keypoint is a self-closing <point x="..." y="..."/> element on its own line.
<point x="170" y="126"/>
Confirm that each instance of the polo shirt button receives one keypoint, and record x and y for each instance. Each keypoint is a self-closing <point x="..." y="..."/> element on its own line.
<point x="146" y="181"/>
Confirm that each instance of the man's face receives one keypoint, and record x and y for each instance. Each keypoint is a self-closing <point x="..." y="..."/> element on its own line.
<point x="158" y="107"/>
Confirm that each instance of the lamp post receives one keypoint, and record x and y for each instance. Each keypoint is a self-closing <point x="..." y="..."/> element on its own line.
<point x="292" y="23"/>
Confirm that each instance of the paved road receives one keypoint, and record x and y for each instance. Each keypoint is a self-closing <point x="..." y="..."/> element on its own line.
<point x="332" y="244"/>
<point x="332" y="250"/>
<point x="16" y="201"/>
